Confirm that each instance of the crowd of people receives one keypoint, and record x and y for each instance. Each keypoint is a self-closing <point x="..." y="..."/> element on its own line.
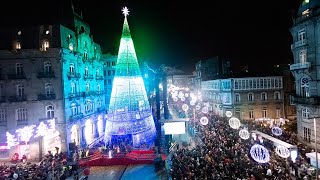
<point x="224" y="155"/>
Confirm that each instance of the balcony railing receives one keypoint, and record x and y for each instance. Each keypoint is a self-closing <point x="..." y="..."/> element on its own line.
<point x="306" y="100"/>
<point x="46" y="74"/>
<point x="99" y="77"/>
<point x="296" y="66"/>
<point x="2" y="99"/>
<point x="73" y="75"/>
<point x="76" y="117"/>
<point x="46" y="96"/>
<point x="77" y="94"/>
<point x="17" y="76"/>
<point x="88" y="76"/>
<point x="17" y="98"/>
<point x="299" y="43"/>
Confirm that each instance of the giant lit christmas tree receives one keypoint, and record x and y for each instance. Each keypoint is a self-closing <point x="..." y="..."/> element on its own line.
<point x="129" y="115"/>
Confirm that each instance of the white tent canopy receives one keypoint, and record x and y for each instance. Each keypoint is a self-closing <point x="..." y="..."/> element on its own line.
<point x="313" y="155"/>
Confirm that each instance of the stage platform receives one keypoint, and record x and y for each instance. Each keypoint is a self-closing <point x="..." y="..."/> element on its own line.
<point x="134" y="157"/>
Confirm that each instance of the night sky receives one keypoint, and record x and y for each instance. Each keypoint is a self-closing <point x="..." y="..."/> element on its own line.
<point x="181" y="33"/>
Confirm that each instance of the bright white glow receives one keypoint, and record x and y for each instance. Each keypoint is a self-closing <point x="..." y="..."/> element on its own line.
<point x="205" y="110"/>
<point x="175" y="99"/>
<point x="89" y="131"/>
<point x="276" y="131"/>
<point x="100" y="125"/>
<point x="259" y="153"/>
<point x="11" y="140"/>
<point x="42" y="130"/>
<point x="71" y="47"/>
<point x="185" y="107"/>
<point x="183" y="98"/>
<point x="294" y="155"/>
<point x="125" y="11"/>
<point x="234" y="123"/>
<point x="75" y="134"/>
<point x="254" y="136"/>
<point x="25" y="133"/>
<point x="192" y="103"/>
<point x="186" y="95"/>
<point x="174" y="128"/>
<point x="110" y="154"/>
<point x="47" y="32"/>
<point x="204" y="120"/>
<point x="244" y="134"/>
<point x="228" y="113"/>
<point x="282" y="151"/>
<point x="198" y="107"/>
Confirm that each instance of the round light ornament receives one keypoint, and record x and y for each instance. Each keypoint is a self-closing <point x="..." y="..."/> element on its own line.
<point x="277" y="131"/>
<point x="183" y="98"/>
<point x="228" y="113"/>
<point x="204" y="120"/>
<point x="192" y="103"/>
<point x="205" y="110"/>
<point x="198" y="107"/>
<point x="244" y="134"/>
<point x="175" y="99"/>
<point x="259" y="153"/>
<point x="186" y="95"/>
<point x="234" y="123"/>
<point x="282" y="151"/>
<point x="185" y="107"/>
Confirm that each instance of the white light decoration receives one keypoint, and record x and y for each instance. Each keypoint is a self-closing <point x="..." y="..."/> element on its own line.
<point x="198" y="107"/>
<point x="282" y="151"/>
<point x="234" y="123"/>
<point x="259" y="153"/>
<point x="11" y="140"/>
<point x="204" y="120"/>
<point x="192" y="103"/>
<point x="25" y="133"/>
<point x="42" y="130"/>
<point x="186" y="95"/>
<point x="254" y="136"/>
<point x="244" y="134"/>
<point x="181" y="94"/>
<point x="52" y="124"/>
<point x="185" y="107"/>
<point x="138" y="116"/>
<point x="228" y="113"/>
<point x="125" y="11"/>
<point x="183" y="98"/>
<point x="205" y="110"/>
<point x="175" y="99"/>
<point x="294" y="155"/>
<point x="276" y="130"/>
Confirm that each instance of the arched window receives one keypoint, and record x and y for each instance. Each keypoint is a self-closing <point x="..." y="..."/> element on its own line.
<point x="20" y="90"/>
<point x="19" y="69"/>
<point x="47" y="67"/>
<point x="86" y="71"/>
<point x="50" y="111"/>
<point x="264" y="96"/>
<point x="305" y="113"/>
<point x="250" y="97"/>
<point x="98" y="87"/>
<point x="97" y="72"/>
<point x="48" y="89"/>
<point x="74" y="109"/>
<point x="237" y="97"/>
<point x="303" y="56"/>
<point x="73" y="88"/>
<point x="71" y="68"/>
<point x="304" y="87"/>
<point x="89" y="106"/>
<point x="277" y="95"/>
<point x="99" y="104"/>
<point x="87" y="87"/>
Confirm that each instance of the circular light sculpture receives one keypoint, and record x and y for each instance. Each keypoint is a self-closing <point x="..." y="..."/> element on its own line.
<point x="283" y="151"/>
<point x="205" y="110"/>
<point x="234" y="123"/>
<point x="181" y="94"/>
<point x="175" y="98"/>
<point x="228" y="113"/>
<point x="244" y="134"/>
<point x="259" y="153"/>
<point x="186" y="95"/>
<point x="276" y="130"/>
<point x="185" y="107"/>
<point x="198" y="107"/>
<point x="192" y="103"/>
<point x="204" y="120"/>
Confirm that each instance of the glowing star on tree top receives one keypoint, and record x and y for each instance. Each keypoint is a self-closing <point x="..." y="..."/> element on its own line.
<point x="125" y="11"/>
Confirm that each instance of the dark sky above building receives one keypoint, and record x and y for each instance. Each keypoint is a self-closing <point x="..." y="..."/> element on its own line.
<point x="181" y="33"/>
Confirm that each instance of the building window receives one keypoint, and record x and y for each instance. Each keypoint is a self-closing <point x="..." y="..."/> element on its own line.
<point x="109" y="72"/>
<point x="86" y="71"/>
<point x="73" y="88"/>
<point x="250" y="97"/>
<point x="74" y="109"/>
<point x="109" y="81"/>
<point x="3" y="118"/>
<point x="47" y="67"/>
<point x="251" y="115"/>
<point x="278" y="114"/>
<point x="19" y="69"/>
<point x="20" y="90"/>
<point x="304" y="87"/>
<point x="264" y="113"/>
<point x="85" y="55"/>
<point x="113" y="63"/>
<point x="113" y="72"/>
<point x="50" y="111"/>
<point x="89" y="106"/>
<point x="48" y="89"/>
<point x="21" y="115"/>
<point x="237" y="113"/>
<point x="71" y="46"/>
<point x="87" y="87"/>
<point x="99" y="103"/>
<point x="45" y="45"/>
<point x="307" y="134"/>
<point x="18" y="45"/>
<point x="97" y="72"/>
<point x="301" y="35"/>
<point x="303" y="56"/>
<point x="277" y="95"/>
<point x="98" y="87"/>
<point x="237" y="97"/>
<point x="71" y="68"/>
<point x="305" y="113"/>
<point x="108" y="64"/>
<point x="264" y="96"/>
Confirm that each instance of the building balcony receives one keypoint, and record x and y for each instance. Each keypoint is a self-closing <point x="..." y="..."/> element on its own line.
<point x="46" y="75"/>
<point x="99" y="110"/>
<point x="297" y="66"/>
<point x="76" y="117"/>
<point x="46" y="96"/>
<point x="89" y="93"/>
<point x="2" y="99"/>
<point x="299" y="44"/>
<point x="306" y="100"/>
<point x="17" y="98"/>
<point x="99" y="92"/>
<point x="88" y="76"/>
<point x="74" y="95"/>
<point x="73" y="75"/>
<point x="17" y="76"/>
<point x="99" y="77"/>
